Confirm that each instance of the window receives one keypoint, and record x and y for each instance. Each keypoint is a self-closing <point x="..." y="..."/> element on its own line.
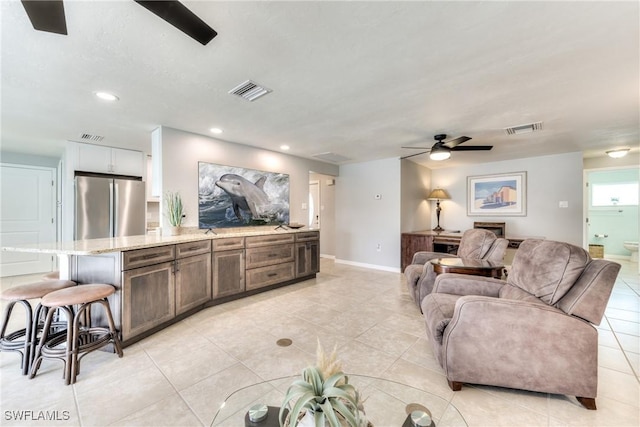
<point x="618" y="194"/>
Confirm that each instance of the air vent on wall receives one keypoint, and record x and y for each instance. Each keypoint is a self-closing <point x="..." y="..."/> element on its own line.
<point x="91" y="138"/>
<point x="528" y="128"/>
<point x="331" y="157"/>
<point x="249" y="90"/>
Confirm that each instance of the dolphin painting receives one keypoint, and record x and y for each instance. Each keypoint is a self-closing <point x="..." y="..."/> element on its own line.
<point x="244" y="194"/>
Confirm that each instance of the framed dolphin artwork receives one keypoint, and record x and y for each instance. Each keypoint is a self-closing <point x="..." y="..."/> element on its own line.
<point x="230" y="196"/>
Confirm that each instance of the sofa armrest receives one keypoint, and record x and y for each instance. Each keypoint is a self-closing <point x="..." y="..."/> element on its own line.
<point x="518" y="344"/>
<point x="424" y="257"/>
<point x="464" y="284"/>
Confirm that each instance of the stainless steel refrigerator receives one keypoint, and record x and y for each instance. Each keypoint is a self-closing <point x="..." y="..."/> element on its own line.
<point x="108" y="207"/>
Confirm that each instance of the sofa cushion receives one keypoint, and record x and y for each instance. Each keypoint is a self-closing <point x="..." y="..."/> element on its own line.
<point x="515" y="293"/>
<point x="438" y="311"/>
<point x="547" y="269"/>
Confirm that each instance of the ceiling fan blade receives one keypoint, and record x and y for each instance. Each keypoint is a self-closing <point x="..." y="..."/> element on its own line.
<point x="457" y="141"/>
<point x="177" y="14"/>
<point x="417" y="148"/>
<point x="413" y="155"/>
<point x="46" y="15"/>
<point x="473" y="148"/>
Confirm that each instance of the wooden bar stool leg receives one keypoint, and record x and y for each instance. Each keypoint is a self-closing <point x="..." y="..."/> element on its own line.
<point x="112" y="327"/>
<point x="38" y="355"/>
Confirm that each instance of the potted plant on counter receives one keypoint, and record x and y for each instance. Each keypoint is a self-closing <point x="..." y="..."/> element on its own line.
<point x="175" y="211"/>
<point x="322" y="397"/>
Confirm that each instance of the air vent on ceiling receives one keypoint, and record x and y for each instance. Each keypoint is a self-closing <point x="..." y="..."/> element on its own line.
<point x="249" y="90"/>
<point x="528" y="128"/>
<point x="331" y="157"/>
<point x="91" y="138"/>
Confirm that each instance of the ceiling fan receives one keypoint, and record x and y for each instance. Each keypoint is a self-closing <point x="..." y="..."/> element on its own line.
<point x="442" y="150"/>
<point x="48" y="15"/>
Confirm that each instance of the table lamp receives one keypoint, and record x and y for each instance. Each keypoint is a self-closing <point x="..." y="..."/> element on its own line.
<point x="438" y="194"/>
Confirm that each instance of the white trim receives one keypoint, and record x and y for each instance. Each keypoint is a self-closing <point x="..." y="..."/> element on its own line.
<point x="327" y="256"/>
<point x="371" y="266"/>
<point x="613" y="256"/>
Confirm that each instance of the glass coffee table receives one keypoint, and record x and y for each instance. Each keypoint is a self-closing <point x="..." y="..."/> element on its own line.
<point x="476" y="267"/>
<point x="386" y="403"/>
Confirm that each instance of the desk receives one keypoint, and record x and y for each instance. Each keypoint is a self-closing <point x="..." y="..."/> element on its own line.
<point x="385" y="405"/>
<point x="476" y="267"/>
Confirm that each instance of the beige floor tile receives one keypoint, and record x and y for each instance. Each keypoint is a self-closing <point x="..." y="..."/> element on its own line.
<point x="171" y="411"/>
<point x="359" y="358"/>
<point x="625" y="327"/>
<point x="618" y="386"/>
<point x="629" y="342"/>
<point x="613" y="358"/>
<point x="565" y="411"/>
<point x="391" y="341"/>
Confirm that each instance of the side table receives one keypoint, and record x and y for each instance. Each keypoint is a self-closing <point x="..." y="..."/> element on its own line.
<point x="476" y="267"/>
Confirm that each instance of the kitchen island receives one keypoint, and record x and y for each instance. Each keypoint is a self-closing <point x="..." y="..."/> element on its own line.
<point x="163" y="279"/>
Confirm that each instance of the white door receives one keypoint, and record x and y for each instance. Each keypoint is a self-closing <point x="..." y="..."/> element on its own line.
<point x="314" y="204"/>
<point x="27" y="215"/>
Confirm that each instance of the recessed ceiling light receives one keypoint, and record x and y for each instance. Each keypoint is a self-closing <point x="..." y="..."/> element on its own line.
<point x="216" y="130"/>
<point x="284" y="147"/>
<point x="620" y="152"/>
<point x="106" y="96"/>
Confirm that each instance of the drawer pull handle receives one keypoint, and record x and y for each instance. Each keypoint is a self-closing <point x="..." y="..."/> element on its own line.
<point x="272" y="274"/>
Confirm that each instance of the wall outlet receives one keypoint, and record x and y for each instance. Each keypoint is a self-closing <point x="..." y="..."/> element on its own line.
<point x="563" y="204"/>
<point x="378" y="247"/>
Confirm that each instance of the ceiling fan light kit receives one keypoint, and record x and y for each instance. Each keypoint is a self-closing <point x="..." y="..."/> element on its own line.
<point x="442" y="150"/>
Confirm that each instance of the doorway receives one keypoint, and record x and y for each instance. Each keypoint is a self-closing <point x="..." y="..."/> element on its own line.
<point x="27" y="216"/>
<point x="314" y="204"/>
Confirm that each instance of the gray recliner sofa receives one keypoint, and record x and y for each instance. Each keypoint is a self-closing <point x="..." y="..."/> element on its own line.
<point x="475" y="243"/>
<point x="534" y="331"/>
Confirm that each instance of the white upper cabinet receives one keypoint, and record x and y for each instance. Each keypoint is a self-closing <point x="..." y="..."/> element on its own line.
<point x="101" y="159"/>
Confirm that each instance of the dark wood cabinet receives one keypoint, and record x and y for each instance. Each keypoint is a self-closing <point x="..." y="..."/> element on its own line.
<point x="228" y="272"/>
<point x="193" y="282"/>
<point x="414" y="242"/>
<point x="148" y="298"/>
<point x="307" y="258"/>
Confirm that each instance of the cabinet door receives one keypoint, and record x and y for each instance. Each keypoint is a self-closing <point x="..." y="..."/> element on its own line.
<point x="307" y="258"/>
<point x="193" y="282"/>
<point x="148" y="298"/>
<point x="228" y="273"/>
<point x="94" y="158"/>
<point x="127" y="162"/>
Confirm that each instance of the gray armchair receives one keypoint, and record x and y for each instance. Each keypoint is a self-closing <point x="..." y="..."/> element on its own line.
<point x="534" y="331"/>
<point x="475" y="243"/>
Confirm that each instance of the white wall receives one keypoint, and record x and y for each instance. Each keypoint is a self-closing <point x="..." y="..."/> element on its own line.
<point x="181" y="152"/>
<point x="362" y="222"/>
<point x="415" y="210"/>
<point x="550" y="179"/>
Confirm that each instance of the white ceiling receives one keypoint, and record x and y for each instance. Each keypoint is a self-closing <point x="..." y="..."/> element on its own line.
<point x="359" y="79"/>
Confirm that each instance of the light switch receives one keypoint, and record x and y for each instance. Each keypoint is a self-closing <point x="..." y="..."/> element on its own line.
<point x="563" y="204"/>
<point x="304" y="206"/>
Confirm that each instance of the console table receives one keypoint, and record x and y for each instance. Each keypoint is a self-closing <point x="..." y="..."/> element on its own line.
<point x="416" y="241"/>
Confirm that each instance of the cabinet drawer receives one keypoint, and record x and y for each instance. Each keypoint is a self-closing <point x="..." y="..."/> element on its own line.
<point x="270" y="239"/>
<point x="228" y="243"/>
<point x="193" y="248"/>
<point x="265" y="276"/>
<point x="149" y="256"/>
<point x="260" y="257"/>
<point x="307" y="235"/>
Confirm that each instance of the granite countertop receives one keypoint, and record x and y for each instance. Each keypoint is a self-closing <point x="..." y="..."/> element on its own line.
<point x="118" y="244"/>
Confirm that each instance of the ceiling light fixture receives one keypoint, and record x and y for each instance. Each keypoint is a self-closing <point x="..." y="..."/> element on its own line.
<point x="617" y="153"/>
<point x="216" y="130"/>
<point x="284" y="147"/>
<point x="439" y="153"/>
<point x="106" y="96"/>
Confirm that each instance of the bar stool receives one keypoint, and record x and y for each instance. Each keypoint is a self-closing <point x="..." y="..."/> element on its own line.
<point x="79" y="339"/>
<point x="24" y="340"/>
<point x="54" y="275"/>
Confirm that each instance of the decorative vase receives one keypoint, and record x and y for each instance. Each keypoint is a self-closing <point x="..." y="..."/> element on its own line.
<point x="174" y="230"/>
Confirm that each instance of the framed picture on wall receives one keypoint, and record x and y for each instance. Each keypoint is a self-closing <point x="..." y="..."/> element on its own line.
<point x="497" y="195"/>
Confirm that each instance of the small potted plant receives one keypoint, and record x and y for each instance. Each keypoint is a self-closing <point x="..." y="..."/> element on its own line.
<point x="323" y="397"/>
<point x="175" y="211"/>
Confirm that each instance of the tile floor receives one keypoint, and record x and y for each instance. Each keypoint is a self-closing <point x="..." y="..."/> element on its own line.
<point x="178" y="377"/>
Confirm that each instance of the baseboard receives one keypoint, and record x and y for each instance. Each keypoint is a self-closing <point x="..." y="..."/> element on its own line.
<point x="371" y="266"/>
<point x="612" y="256"/>
<point x="327" y="256"/>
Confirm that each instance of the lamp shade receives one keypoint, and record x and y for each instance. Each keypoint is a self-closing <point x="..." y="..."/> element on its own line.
<point x="439" y="152"/>
<point x="438" y="194"/>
